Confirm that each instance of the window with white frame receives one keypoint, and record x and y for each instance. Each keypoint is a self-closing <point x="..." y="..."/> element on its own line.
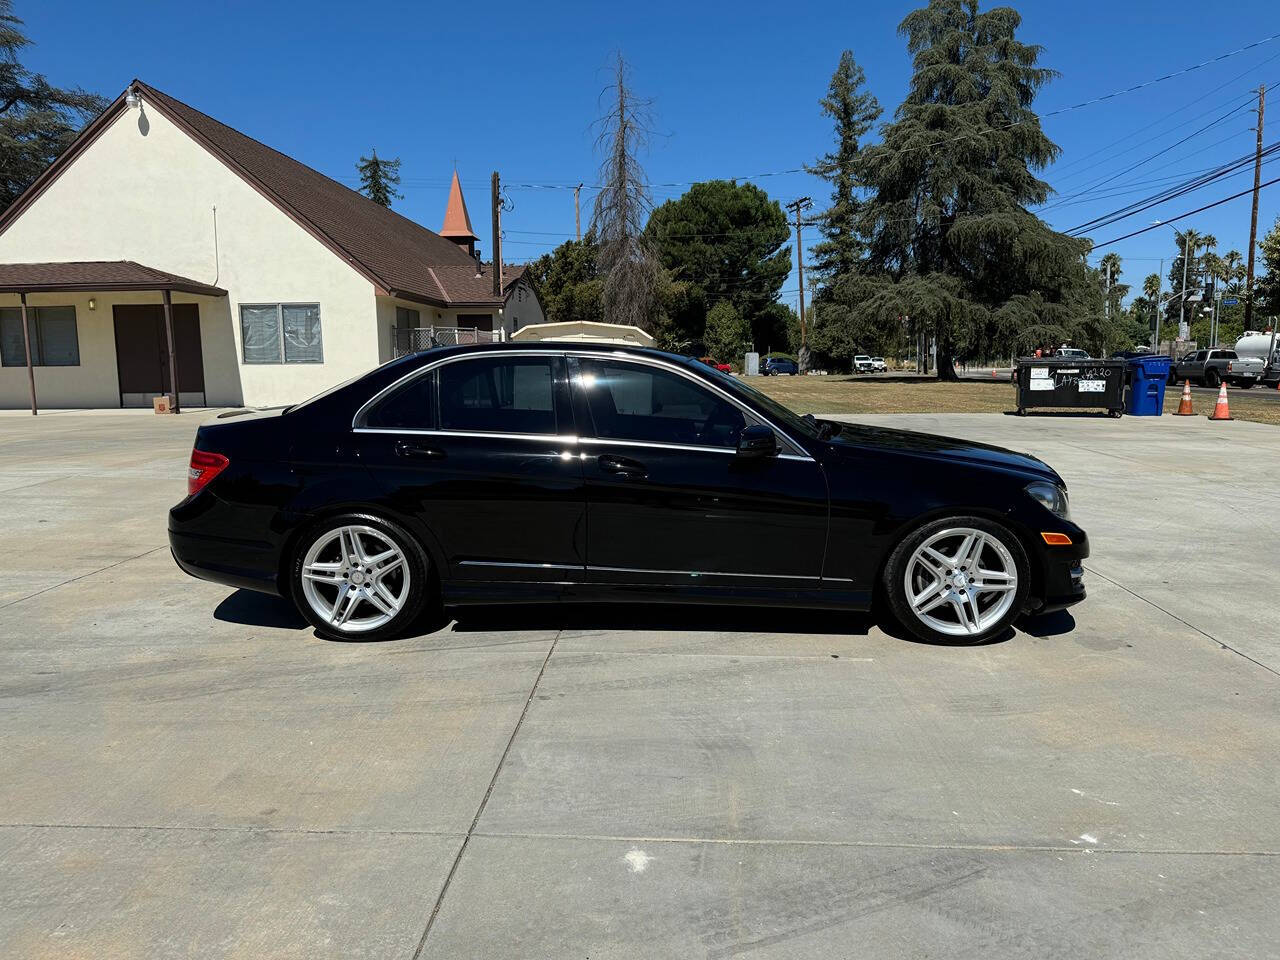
<point x="55" y="341"/>
<point x="281" y="333"/>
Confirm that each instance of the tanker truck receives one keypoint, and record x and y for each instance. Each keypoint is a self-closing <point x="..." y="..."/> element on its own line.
<point x="1259" y="344"/>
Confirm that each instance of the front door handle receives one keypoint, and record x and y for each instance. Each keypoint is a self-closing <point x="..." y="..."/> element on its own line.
<point x="418" y="451"/>
<point x="622" y="466"/>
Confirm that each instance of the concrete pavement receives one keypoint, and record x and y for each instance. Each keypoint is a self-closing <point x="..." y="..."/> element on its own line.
<point x="188" y="771"/>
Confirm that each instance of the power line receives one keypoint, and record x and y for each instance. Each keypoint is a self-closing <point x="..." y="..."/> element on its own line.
<point x="1189" y="213"/>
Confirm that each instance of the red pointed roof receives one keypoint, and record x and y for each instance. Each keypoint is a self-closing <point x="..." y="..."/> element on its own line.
<point x="457" y="223"/>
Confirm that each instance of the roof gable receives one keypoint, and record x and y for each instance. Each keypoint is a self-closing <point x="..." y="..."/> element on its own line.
<point x="393" y="252"/>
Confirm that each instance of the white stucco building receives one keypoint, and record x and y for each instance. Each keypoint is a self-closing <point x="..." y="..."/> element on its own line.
<point x="281" y="282"/>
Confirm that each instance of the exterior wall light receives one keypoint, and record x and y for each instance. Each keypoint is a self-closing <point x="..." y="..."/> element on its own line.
<point x="132" y="99"/>
<point x="93" y="303"/>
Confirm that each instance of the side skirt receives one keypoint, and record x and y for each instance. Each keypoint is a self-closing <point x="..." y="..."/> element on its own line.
<point x="483" y="592"/>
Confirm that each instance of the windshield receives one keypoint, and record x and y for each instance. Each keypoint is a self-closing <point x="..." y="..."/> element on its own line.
<point x="781" y="415"/>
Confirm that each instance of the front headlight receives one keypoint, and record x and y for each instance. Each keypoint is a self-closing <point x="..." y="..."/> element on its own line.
<point x="1052" y="497"/>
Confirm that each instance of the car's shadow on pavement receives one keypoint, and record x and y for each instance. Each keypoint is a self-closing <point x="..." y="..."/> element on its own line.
<point x="259" y="610"/>
<point x="262" y="610"/>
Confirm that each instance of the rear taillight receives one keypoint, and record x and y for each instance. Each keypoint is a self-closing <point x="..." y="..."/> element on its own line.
<point x="204" y="467"/>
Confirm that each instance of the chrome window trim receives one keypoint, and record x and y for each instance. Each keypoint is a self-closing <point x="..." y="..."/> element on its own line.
<point x="798" y="451"/>
<point x="481" y="434"/>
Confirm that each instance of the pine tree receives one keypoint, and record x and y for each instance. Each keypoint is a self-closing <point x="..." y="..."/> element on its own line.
<point x="37" y="120"/>
<point x="379" y="179"/>
<point x="727" y="334"/>
<point x="853" y="111"/>
<point x="1266" y="286"/>
<point x="951" y="243"/>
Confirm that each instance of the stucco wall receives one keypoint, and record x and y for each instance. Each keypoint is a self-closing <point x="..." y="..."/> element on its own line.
<point x="144" y="191"/>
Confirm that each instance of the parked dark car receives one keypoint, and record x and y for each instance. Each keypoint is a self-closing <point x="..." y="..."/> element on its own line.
<point x="513" y="473"/>
<point x="776" y="366"/>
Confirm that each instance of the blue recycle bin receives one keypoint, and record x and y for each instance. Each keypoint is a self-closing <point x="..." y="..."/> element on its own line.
<point x="1148" y="374"/>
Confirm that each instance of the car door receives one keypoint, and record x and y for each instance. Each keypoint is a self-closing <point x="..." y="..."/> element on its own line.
<point x="481" y="450"/>
<point x="668" y="499"/>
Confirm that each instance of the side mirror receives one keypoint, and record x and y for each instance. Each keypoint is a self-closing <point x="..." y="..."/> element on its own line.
<point x="757" y="442"/>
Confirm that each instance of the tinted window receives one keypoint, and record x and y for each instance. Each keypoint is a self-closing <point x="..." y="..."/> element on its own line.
<point x="412" y="406"/>
<point x="633" y="402"/>
<point x="1226" y="355"/>
<point x="499" y="395"/>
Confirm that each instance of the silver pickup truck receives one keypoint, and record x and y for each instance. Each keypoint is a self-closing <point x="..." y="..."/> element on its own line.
<point x="1212" y="367"/>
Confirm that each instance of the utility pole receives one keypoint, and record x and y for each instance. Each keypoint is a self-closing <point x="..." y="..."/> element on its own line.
<point x="1156" y="306"/>
<point x="803" y="203"/>
<point x="1106" y="307"/>
<point x="577" y="216"/>
<point x="496" y="201"/>
<point x="1182" y="304"/>
<point x="1253" y="221"/>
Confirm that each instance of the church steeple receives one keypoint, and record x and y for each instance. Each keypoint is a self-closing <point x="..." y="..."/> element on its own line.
<point x="457" y="223"/>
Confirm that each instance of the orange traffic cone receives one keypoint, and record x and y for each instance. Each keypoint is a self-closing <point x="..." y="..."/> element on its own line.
<point x="1184" y="407"/>
<point x="1220" y="409"/>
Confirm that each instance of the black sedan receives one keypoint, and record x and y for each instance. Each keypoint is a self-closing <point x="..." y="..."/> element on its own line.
<point x="517" y="473"/>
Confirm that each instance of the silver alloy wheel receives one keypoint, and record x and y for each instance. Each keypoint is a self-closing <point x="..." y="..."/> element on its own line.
<point x="961" y="581"/>
<point x="355" y="578"/>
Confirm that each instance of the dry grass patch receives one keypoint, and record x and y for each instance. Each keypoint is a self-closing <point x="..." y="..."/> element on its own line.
<point x="846" y="394"/>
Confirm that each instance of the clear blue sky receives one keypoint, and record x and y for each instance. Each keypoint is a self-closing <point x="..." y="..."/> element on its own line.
<point x="735" y="86"/>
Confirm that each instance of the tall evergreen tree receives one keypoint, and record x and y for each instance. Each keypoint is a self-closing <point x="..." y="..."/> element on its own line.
<point x="568" y="283"/>
<point x="37" y="120"/>
<point x="951" y="243"/>
<point x="728" y="240"/>
<point x="1266" y="286"/>
<point x="853" y="111"/>
<point x="379" y="179"/>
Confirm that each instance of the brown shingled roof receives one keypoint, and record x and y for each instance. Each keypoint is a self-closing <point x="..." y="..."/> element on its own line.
<point x="393" y="252"/>
<point x="95" y="275"/>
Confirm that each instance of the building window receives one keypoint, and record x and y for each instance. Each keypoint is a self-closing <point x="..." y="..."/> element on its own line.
<point x="407" y="318"/>
<point x="281" y="333"/>
<point x="55" y="342"/>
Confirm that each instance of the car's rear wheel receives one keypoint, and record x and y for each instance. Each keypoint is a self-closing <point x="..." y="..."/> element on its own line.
<point x="359" y="577"/>
<point x="1211" y="378"/>
<point x="957" y="580"/>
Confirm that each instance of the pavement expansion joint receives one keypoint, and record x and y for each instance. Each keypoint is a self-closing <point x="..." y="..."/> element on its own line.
<point x="462" y="849"/>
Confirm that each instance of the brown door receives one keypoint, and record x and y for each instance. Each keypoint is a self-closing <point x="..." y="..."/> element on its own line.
<point x="142" y="351"/>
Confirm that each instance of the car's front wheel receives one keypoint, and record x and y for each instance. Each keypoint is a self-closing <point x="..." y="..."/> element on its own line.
<point x="957" y="580"/>
<point x="359" y="577"/>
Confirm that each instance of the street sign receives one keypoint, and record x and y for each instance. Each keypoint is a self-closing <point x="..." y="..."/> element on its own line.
<point x="1230" y="301"/>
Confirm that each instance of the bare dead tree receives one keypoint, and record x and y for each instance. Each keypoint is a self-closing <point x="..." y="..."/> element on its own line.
<point x="626" y="262"/>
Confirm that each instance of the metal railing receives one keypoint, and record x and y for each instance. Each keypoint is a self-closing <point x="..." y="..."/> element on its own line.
<point x="407" y="340"/>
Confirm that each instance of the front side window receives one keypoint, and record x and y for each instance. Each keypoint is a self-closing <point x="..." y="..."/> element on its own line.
<point x="281" y="333"/>
<point x="630" y="401"/>
<point x="55" y="341"/>
<point x="499" y="395"/>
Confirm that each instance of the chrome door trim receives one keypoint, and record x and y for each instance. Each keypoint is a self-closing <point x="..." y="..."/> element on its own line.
<point x="566" y="438"/>
<point x="521" y="566"/>
<point x="703" y="573"/>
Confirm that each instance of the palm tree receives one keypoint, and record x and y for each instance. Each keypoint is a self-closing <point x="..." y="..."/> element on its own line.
<point x="1233" y="270"/>
<point x="1151" y="286"/>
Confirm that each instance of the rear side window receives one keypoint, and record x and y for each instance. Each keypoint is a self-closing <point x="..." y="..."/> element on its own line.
<point x="413" y="406"/>
<point x="1227" y="355"/>
<point x="499" y="395"/>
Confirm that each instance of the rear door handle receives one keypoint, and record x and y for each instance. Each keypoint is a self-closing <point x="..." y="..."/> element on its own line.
<point x="622" y="466"/>
<point x="418" y="451"/>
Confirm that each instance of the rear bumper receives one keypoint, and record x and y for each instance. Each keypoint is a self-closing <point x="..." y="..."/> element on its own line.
<point x="250" y="565"/>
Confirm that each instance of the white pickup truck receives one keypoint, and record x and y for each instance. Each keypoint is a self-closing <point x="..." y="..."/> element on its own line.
<point x="1212" y="367"/>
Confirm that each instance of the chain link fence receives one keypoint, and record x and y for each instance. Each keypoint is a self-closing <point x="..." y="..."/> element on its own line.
<point x="416" y="339"/>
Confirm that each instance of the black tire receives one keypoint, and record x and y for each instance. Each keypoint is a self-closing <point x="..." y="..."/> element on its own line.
<point x="423" y="589"/>
<point x="1212" y="378"/>
<point x="894" y="587"/>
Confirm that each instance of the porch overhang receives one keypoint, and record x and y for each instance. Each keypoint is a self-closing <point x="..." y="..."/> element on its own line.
<point x="99" y="276"/>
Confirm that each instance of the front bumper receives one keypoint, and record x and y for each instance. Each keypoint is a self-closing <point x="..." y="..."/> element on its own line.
<point x="1063" y="574"/>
